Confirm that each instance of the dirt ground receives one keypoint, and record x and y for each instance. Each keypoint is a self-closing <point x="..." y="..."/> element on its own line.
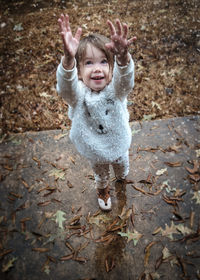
<point x="167" y="57"/>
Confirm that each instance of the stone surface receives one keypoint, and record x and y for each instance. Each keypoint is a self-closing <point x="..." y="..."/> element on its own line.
<point x="42" y="174"/>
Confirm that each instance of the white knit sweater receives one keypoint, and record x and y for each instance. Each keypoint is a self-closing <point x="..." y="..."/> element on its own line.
<point x="100" y="121"/>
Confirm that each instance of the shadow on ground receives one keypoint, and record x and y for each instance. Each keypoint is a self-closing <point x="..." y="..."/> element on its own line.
<point x="50" y="224"/>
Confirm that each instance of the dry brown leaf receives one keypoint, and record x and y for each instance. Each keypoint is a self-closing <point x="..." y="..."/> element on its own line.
<point x="6" y="252"/>
<point x="194" y="177"/>
<point x="174" y="164"/>
<point x="25" y="184"/>
<point x="69" y="184"/>
<point x="147" y="252"/>
<point x="80" y="259"/>
<point x="45" y="203"/>
<point x="40" y="250"/>
<point x="66" y="258"/>
<point x="195" y="168"/>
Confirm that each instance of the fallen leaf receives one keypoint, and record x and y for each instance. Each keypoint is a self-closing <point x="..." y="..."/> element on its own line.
<point x="173" y="164"/>
<point x="184" y="230"/>
<point x="72" y="160"/>
<point x="8" y="265"/>
<point x="97" y="219"/>
<point x="68" y="245"/>
<point x="192" y="214"/>
<point x="80" y="259"/>
<point x="158" y="262"/>
<point x="135" y="131"/>
<point x="195" y="168"/>
<point x="155" y="276"/>
<point x="155" y="104"/>
<point x="173" y="148"/>
<point x="75" y="220"/>
<point x="18" y="27"/>
<point x="169" y="231"/>
<point x="45" y="203"/>
<point x="5" y="252"/>
<point x="109" y="264"/>
<point x="40" y="250"/>
<point x="59" y="136"/>
<point x="133" y="215"/>
<point x="58" y="174"/>
<point x="66" y="258"/>
<point x="148" y="117"/>
<point x="2" y="218"/>
<point x="47" y="269"/>
<point x="60" y="218"/>
<point x="16" y="195"/>
<point x="166" y="253"/>
<point x="135" y="236"/>
<point x="69" y="184"/>
<point x="161" y="171"/>
<point x="198" y="153"/>
<point x="194" y="177"/>
<point x="125" y="214"/>
<point x="140" y="190"/>
<point x="196" y="196"/>
<point x="25" y="184"/>
<point x="175" y="229"/>
<point x="167" y="256"/>
<point x="157" y="230"/>
<point x="37" y="160"/>
<point x="147" y="252"/>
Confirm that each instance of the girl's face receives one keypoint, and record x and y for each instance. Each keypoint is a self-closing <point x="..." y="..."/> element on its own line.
<point x="94" y="69"/>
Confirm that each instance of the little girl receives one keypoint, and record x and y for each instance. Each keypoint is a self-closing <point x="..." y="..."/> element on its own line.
<point x="94" y="77"/>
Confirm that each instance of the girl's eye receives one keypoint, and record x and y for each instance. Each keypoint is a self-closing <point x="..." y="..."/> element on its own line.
<point x="88" y="62"/>
<point x="104" y="61"/>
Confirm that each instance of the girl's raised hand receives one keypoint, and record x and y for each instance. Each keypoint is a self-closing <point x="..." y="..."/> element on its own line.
<point x="70" y="43"/>
<point x="119" y="43"/>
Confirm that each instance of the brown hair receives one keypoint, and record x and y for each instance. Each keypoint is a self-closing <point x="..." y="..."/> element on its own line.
<point x="99" y="42"/>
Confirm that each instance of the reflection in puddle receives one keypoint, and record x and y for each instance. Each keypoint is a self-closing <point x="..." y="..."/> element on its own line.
<point x="110" y="255"/>
<point x="120" y="192"/>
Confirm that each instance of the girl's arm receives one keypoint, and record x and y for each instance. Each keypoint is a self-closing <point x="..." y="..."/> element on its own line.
<point x="123" y="75"/>
<point x="70" y="43"/>
<point x="67" y="78"/>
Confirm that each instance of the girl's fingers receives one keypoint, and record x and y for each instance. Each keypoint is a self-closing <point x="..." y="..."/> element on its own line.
<point x="130" y="41"/>
<point x="78" y="34"/>
<point x="119" y="32"/>
<point x="112" y="28"/>
<point x="125" y="28"/>
<point x="67" y="25"/>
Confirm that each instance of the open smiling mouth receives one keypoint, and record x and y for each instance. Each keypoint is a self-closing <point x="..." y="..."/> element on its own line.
<point x="97" y="78"/>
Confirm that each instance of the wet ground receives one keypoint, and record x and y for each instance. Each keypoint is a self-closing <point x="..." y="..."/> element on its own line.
<point x="51" y="226"/>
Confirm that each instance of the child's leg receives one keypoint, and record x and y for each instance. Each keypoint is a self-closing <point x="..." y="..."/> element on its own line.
<point x="121" y="166"/>
<point x="101" y="175"/>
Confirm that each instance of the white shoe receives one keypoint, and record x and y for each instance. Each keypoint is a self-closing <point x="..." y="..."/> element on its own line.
<point x="106" y="206"/>
<point x="104" y="199"/>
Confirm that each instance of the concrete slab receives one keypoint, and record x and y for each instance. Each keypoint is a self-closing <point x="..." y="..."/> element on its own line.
<point x="50" y="224"/>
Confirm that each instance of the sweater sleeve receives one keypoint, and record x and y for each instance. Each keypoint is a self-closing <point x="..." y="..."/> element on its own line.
<point x="123" y="79"/>
<point x="67" y="84"/>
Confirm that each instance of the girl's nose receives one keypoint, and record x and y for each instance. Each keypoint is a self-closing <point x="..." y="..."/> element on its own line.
<point x="97" y="68"/>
